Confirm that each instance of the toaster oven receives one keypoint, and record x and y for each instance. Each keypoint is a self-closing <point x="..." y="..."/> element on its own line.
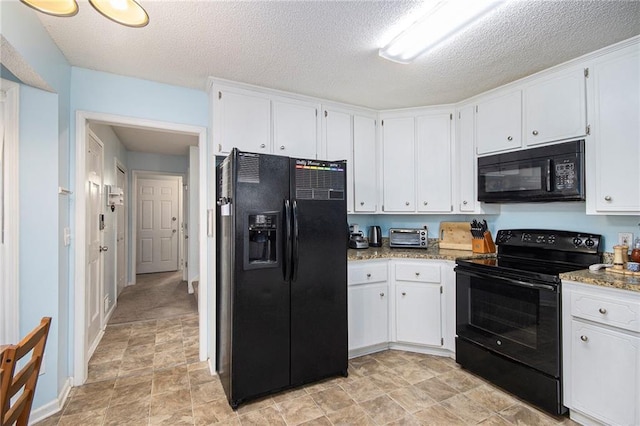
<point x="408" y="238"/>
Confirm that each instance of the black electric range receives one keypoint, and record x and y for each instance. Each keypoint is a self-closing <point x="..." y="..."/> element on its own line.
<point x="508" y="327"/>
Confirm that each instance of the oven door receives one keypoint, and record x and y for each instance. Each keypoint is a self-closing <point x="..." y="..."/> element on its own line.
<point x="517" y="319"/>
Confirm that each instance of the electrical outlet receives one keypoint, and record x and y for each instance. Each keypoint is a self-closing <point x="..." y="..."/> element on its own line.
<point x="625" y="238"/>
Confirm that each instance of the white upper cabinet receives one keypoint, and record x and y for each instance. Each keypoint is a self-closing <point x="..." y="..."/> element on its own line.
<point x="555" y="107"/>
<point x="295" y="128"/>
<point x="613" y="173"/>
<point x="433" y="162"/>
<point x="466" y="160"/>
<point x="499" y="123"/>
<point x="398" y="136"/>
<point x="364" y="164"/>
<point x="241" y="120"/>
<point x="338" y="144"/>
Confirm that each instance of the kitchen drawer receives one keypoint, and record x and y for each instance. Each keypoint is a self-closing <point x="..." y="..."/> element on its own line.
<point x="610" y="311"/>
<point x="418" y="272"/>
<point x="367" y="273"/>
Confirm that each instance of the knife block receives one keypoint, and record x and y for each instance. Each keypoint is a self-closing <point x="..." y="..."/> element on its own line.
<point x="483" y="245"/>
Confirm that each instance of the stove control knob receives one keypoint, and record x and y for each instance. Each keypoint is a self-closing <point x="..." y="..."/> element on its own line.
<point x="577" y="241"/>
<point x="589" y="243"/>
<point x="551" y="239"/>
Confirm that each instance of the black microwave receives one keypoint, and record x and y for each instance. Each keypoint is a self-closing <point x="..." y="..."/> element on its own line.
<point x="549" y="173"/>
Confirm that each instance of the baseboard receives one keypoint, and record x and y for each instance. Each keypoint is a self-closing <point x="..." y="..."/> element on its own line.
<point x="354" y="353"/>
<point x="94" y="345"/>
<point x="107" y="317"/>
<point x="427" y="350"/>
<point x="52" y="407"/>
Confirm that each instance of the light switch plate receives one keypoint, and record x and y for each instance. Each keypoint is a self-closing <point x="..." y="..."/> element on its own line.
<point x="625" y="238"/>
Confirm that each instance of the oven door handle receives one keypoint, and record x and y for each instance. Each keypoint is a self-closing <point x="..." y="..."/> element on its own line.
<point x="510" y="280"/>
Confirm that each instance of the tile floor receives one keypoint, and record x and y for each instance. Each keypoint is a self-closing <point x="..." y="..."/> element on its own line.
<point x="148" y="373"/>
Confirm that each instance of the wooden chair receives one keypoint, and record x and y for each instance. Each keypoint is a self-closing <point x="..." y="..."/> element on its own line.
<point x="25" y="378"/>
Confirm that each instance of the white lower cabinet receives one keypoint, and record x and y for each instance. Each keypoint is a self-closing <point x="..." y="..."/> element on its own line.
<point x="601" y="354"/>
<point x="368" y="304"/>
<point x="418" y="303"/>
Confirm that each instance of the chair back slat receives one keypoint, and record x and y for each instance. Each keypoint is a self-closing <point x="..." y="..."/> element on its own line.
<point x="22" y="383"/>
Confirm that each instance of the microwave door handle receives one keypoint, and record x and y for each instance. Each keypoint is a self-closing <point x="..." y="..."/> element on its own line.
<point x="549" y="174"/>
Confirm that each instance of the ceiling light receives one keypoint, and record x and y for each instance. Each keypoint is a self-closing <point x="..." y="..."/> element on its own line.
<point x="54" y="7"/>
<point x="441" y="21"/>
<point x="125" y="12"/>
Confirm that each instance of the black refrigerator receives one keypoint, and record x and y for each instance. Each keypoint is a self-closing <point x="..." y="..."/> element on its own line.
<point x="282" y="273"/>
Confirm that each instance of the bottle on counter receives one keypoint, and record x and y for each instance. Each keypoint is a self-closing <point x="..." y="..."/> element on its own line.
<point x="635" y="254"/>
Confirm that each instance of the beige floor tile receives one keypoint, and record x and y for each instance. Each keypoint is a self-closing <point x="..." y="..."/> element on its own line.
<point x="200" y="375"/>
<point x="438" y="365"/>
<point x="467" y="409"/>
<point x="436" y="389"/>
<point x="388" y="381"/>
<point x="332" y="399"/>
<point x="299" y="410"/>
<point x="413" y="373"/>
<point x="460" y="380"/>
<point x="137" y="350"/>
<point x="97" y="389"/>
<point x="352" y="415"/>
<point x="142" y="339"/>
<point x="205" y="392"/>
<point x="520" y="414"/>
<point x="495" y="420"/>
<point x="266" y="416"/>
<point x="491" y="398"/>
<point x="368" y="368"/>
<point x="437" y="415"/>
<point x="390" y="359"/>
<point x="362" y="389"/>
<point x="412" y="399"/>
<point x="127" y="411"/>
<point x="179" y="417"/>
<point x="219" y="409"/>
<point x="103" y="371"/>
<point x="170" y="402"/>
<point x="204" y="414"/>
<point x="289" y="394"/>
<point x="408" y="420"/>
<point x="169" y="359"/>
<point x="320" y="421"/>
<point x="383" y="409"/>
<point x="172" y="379"/>
<point x="87" y="403"/>
<point x="135" y="362"/>
<point x="255" y="405"/>
<point x="85" y="418"/>
<point x="136" y="392"/>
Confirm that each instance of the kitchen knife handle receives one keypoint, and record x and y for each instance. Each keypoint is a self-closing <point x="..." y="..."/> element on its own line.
<point x="286" y="263"/>
<point x="295" y="245"/>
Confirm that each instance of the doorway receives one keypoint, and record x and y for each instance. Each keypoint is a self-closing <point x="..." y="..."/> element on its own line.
<point x="81" y="356"/>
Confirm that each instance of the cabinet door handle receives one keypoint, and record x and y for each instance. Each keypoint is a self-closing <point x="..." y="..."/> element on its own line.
<point x="607" y="198"/>
<point x="534" y="133"/>
<point x="381" y="294"/>
<point x="464" y="202"/>
<point x="509" y="138"/>
<point x="406" y="203"/>
<point x="584" y="338"/>
<point x="368" y="275"/>
<point x="425" y="203"/>
<point x="404" y="293"/>
<point x="417" y="274"/>
<point x="362" y="203"/>
<point x="282" y="147"/>
<point x="602" y="311"/>
<point x="262" y="145"/>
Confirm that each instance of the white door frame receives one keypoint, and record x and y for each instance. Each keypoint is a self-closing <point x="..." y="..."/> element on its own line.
<point x="80" y="359"/>
<point x="9" y="283"/>
<point x="142" y="174"/>
<point x="119" y="166"/>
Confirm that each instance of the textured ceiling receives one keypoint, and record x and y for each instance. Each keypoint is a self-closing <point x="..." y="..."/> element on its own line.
<point x="329" y="49"/>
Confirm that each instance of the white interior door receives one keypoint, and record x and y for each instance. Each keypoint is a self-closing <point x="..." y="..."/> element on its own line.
<point x="121" y="262"/>
<point x="157" y="225"/>
<point x="93" y="188"/>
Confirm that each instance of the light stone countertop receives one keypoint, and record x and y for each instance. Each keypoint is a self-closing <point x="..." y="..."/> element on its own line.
<point x="433" y="252"/>
<point x="603" y="278"/>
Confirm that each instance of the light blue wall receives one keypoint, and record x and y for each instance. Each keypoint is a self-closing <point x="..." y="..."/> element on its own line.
<point x="159" y="163"/>
<point x="44" y="145"/>
<point x="560" y="216"/>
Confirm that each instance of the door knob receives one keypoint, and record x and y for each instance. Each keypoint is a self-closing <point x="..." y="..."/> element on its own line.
<point x="173" y="231"/>
<point x="173" y="219"/>
<point x="103" y="248"/>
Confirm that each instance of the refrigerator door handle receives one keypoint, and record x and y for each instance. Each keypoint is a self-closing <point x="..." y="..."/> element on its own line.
<point x="294" y="257"/>
<point x="286" y="263"/>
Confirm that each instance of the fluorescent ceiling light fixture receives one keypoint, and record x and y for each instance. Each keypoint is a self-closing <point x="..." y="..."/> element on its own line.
<point x="125" y="12"/>
<point x="443" y="20"/>
<point x="54" y="7"/>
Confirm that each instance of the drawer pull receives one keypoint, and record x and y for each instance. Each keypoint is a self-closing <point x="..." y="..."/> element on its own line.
<point x="404" y="294"/>
<point x="381" y="294"/>
<point x="584" y="338"/>
<point x="417" y="274"/>
<point x="368" y="276"/>
<point x="602" y="311"/>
